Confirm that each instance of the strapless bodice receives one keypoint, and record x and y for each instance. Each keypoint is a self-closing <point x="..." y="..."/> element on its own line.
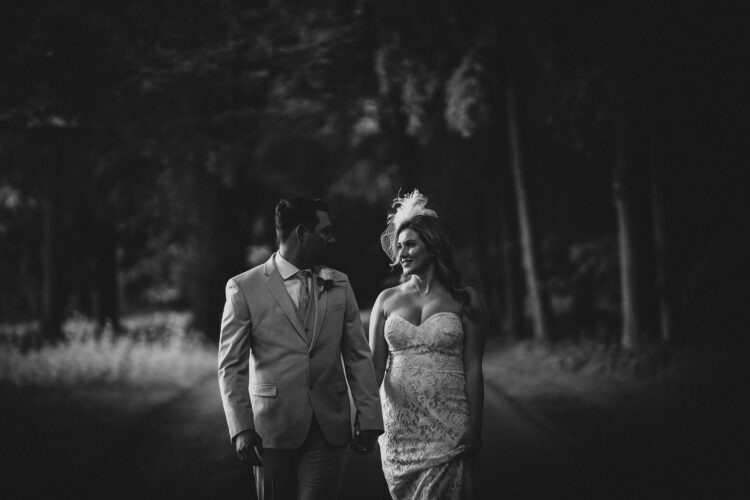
<point x="435" y="344"/>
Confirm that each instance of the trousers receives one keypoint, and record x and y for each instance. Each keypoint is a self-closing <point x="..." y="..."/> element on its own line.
<point x="313" y="471"/>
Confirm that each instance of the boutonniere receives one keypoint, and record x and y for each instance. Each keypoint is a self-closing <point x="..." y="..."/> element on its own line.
<point x="325" y="279"/>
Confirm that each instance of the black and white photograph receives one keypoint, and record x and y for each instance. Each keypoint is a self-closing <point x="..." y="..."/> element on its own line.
<point x="374" y="250"/>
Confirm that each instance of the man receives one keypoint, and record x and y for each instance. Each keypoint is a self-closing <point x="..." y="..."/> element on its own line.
<point x="287" y="326"/>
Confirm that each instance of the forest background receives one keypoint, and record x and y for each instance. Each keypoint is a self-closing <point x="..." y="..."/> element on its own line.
<point x="586" y="161"/>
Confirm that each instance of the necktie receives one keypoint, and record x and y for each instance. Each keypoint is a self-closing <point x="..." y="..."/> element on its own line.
<point x="303" y="298"/>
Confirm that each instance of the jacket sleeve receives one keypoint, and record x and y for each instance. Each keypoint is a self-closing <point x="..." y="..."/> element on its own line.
<point x="234" y="352"/>
<point x="360" y="371"/>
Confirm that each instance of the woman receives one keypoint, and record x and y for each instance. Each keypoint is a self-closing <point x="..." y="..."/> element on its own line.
<point x="427" y="338"/>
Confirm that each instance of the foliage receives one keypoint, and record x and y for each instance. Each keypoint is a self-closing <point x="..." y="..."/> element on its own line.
<point x="583" y="286"/>
<point x="600" y="359"/>
<point x="602" y="373"/>
<point x="158" y="350"/>
<point x="165" y="132"/>
<point x="177" y="125"/>
<point x="466" y="107"/>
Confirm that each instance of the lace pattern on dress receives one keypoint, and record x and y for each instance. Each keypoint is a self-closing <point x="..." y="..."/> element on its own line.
<point x="425" y="409"/>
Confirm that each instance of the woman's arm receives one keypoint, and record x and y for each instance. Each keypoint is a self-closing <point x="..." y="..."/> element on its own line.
<point x="475" y="334"/>
<point x="378" y="345"/>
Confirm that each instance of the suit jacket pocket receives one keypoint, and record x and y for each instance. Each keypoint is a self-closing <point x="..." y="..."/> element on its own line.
<point x="264" y="390"/>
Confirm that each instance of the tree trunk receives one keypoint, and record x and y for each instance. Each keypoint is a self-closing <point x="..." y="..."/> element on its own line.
<point x="622" y="192"/>
<point x="662" y="277"/>
<point x="536" y="298"/>
<point x="481" y="235"/>
<point x="51" y="301"/>
<point x="512" y="318"/>
<point x="205" y="281"/>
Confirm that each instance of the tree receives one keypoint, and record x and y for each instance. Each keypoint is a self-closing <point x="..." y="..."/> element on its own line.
<point x="469" y="108"/>
<point x="599" y="104"/>
<point x="662" y="272"/>
<point x="184" y="118"/>
<point x="435" y="70"/>
<point x="529" y="248"/>
<point x="622" y="188"/>
<point x="61" y="67"/>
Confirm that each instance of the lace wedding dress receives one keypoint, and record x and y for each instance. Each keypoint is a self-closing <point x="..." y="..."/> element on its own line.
<point x="425" y="409"/>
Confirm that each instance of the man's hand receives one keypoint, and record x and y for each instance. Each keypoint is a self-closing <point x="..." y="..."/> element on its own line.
<point x="249" y="447"/>
<point x="364" y="442"/>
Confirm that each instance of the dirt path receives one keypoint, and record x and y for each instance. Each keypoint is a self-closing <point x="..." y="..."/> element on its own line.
<point x="181" y="450"/>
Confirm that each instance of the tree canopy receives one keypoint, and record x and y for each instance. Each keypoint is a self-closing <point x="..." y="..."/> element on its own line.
<point x="143" y="146"/>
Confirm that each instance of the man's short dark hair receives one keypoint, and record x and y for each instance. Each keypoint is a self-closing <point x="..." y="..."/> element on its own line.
<point x="295" y="212"/>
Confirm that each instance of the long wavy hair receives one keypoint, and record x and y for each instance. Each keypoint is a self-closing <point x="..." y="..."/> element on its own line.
<point x="439" y="246"/>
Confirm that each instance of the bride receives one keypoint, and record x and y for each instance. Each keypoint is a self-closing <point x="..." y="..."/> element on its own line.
<point x="427" y="336"/>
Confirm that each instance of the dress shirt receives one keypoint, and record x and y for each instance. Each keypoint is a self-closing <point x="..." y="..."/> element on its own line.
<point x="288" y="272"/>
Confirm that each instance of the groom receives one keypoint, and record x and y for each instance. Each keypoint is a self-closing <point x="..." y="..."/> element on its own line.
<point x="287" y="326"/>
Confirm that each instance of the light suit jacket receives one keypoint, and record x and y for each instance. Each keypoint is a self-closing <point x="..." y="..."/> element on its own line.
<point x="272" y="378"/>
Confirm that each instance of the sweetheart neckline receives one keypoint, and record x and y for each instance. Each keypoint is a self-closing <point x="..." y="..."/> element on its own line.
<point x="424" y="321"/>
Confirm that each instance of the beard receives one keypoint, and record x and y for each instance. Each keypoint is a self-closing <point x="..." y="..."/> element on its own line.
<point x="315" y="256"/>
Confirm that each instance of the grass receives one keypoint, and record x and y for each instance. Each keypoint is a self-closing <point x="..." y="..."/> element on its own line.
<point x="590" y="390"/>
<point x="156" y="350"/>
<point x="74" y="410"/>
<point x="654" y="423"/>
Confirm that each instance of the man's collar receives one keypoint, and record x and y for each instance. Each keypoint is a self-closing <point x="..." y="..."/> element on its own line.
<point x="286" y="268"/>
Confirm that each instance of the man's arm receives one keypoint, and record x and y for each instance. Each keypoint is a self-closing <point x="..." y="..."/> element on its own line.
<point x="234" y="352"/>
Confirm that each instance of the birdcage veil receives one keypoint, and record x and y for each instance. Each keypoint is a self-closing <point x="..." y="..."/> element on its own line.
<point x="409" y="208"/>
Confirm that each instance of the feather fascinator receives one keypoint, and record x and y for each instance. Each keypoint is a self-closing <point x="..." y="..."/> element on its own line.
<point x="411" y="207"/>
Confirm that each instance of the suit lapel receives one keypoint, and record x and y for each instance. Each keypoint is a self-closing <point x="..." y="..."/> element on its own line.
<point x="278" y="290"/>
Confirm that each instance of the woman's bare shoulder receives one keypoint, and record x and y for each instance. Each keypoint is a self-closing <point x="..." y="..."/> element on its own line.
<point x="385" y="302"/>
<point x="389" y="296"/>
<point x="394" y="292"/>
